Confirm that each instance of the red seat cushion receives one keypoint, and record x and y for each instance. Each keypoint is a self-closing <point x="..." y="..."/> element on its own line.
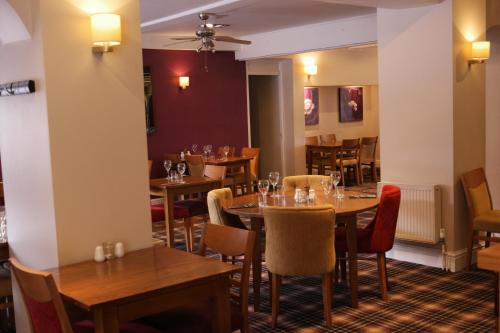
<point x="131" y="327"/>
<point x="157" y="213"/>
<point x="363" y="236"/>
<point x="190" y="207"/>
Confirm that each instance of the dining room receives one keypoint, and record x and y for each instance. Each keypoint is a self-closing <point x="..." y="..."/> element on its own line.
<point x="180" y="191"/>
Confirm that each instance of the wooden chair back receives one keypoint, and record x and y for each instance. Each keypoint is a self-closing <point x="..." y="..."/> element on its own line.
<point x="368" y="148"/>
<point x="175" y="158"/>
<point x="233" y="242"/>
<point x="471" y="180"/>
<point x="46" y="311"/>
<point x="196" y="165"/>
<point x="215" y="171"/>
<point x="312" y="140"/>
<point x="254" y="164"/>
<point x="350" y="149"/>
<point x="327" y="138"/>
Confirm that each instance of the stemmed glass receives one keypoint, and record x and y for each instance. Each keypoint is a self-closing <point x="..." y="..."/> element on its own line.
<point x="194" y="148"/>
<point x="209" y="150"/>
<point x="263" y="186"/>
<point x="167" y="164"/>
<point x="326" y="184"/>
<point x="335" y="177"/>
<point x="274" y="178"/>
<point x="181" y="167"/>
<point x="225" y="149"/>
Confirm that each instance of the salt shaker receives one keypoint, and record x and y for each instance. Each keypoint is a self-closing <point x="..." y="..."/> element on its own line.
<point x="99" y="254"/>
<point x="119" y="250"/>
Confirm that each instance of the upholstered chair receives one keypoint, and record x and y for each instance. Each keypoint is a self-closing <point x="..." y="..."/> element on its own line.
<point x="290" y="183"/>
<point x="217" y="200"/>
<point x="378" y="237"/>
<point x="46" y="311"/>
<point x="300" y="242"/>
<point x="482" y="216"/>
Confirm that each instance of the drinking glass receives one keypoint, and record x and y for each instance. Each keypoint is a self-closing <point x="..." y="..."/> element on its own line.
<point x="225" y="149"/>
<point x="335" y="177"/>
<point x="274" y="178"/>
<point x="209" y="150"/>
<point x="167" y="165"/>
<point x="181" y="167"/>
<point x="194" y="148"/>
<point x="173" y="175"/>
<point x="263" y="186"/>
<point x="326" y="184"/>
<point x="340" y="190"/>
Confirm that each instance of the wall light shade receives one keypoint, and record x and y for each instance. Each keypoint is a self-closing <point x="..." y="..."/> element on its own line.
<point x="106" y="31"/>
<point x="311" y="69"/>
<point x="480" y="51"/>
<point x="183" y="82"/>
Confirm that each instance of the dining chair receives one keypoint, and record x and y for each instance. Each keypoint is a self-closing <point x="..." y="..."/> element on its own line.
<point x="46" y="311"/>
<point x="378" y="236"/>
<point x="239" y="176"/>
<point x="327" y="138"/>
<point x="290" y="183"/>
<point x="226" y="242"/>
<point x="482" y="216"/>
<point x="232" y="151"/>
<point x="175" y="158"/>
<point x="300" y="242"/>
<point x="318" y="160"/>
<point x="195" y="165"/>
<point x="367" y="152"/>
<point x="217" y="200"/>
<point x="348" y="158"/>
<point x="312" y="140"/>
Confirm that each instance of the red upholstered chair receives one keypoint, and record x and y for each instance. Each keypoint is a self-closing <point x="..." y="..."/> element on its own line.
<point x="46" y="311"/>
<point x="378" y="236"/>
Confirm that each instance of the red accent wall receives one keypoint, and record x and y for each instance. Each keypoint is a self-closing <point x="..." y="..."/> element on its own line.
<point x="212" y="110"/>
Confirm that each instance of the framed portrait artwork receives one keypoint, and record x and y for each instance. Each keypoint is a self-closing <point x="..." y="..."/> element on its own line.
<point x="311" y="106"/>
<point x="350" y="104"/>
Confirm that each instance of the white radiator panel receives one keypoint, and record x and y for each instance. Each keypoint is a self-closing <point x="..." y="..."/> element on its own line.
<point x="419" y="217"/>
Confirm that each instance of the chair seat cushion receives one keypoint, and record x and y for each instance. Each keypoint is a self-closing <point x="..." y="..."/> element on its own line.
<point x="190" y="207"/>
<point x="348" y="162"/>
<point x="363" y="240"/>
<point x="131" y="327"/>
<point x="157" y="212"/>
<point x="489" y="221"/>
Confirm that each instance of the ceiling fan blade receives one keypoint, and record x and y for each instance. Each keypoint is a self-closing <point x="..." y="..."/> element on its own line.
<point x="228" y="39"/>
<point x="179" y="42"/>
<point x="185" y="38"/>
<point x="220" y="25"/>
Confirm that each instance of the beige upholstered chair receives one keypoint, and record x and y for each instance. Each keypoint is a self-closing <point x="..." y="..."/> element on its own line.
<point x="367" y="157"/>
<point x="300" y="242"/>
<point x="482" y="216"/>
<point x="290" y="183"/>
<point x="217" y="200"/>
<point x="196" y="165"/>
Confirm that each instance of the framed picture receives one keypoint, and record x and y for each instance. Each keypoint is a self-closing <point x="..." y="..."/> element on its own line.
<point x="351" y="104"/>
<point x="148" y="101"/>
<point x="311" y="106"/>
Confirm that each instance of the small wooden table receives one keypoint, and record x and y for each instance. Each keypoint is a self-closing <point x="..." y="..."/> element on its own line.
<point x="331" y="148"/>
<point x="345" y="211"/>
<point x="489" y="259"/>
<point x="170" y="189"/>
<point x="146" y="282"/>
<point x="235" y="162"/>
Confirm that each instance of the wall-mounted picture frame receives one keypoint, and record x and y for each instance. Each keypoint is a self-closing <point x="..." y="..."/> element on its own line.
<point x="350" y="104"/>
<point x="311" y="106"/>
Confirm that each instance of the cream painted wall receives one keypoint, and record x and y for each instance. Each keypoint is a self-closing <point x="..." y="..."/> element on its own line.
<point x="493" y="102"/>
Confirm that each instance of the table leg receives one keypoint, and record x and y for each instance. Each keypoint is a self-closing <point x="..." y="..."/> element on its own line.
<point x="256" y="225"/>
<point x="222" y="319"/>
<point x="169" y="217"/>
<point x="248" y="177"/>
<point x="309" y="161"/>
<point x="106" y="320"/>
<point x="352" y="252"/>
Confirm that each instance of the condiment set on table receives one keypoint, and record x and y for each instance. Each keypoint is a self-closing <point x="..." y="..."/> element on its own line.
<point x="109" y="251"/>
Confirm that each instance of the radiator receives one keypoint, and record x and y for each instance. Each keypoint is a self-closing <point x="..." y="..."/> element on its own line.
<point x="419" y="217"/>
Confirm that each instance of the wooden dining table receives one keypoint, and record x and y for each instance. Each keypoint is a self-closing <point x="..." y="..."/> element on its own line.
<point x="235" y="162"/>
<point x="346" y="211"/>
<point x="169" y="190"/>
<point x="326" y="149"/>
<point x="146" y="282"/>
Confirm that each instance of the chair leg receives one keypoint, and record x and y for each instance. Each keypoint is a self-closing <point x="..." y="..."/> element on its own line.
<point x="188" y="234"/>
<point x="327" y="298"/>
<point x="275" y="299"/>
<point x="470" y="243"/>
<point x="373" y="169"/>
<point x="487" y="242"/>
<point x="382" y="276"/>
<point x="356" y="169"/>
<point x="343" y="266"/>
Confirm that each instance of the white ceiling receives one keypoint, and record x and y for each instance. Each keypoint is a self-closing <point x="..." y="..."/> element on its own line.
<point x="246" y="17"/>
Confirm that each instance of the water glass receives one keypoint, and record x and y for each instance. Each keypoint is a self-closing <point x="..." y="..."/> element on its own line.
<point x="278" y="188"/>
<point x="225" y="149"/>
<point x="263" y="186"/>
<point x="340" y="192"/>
<point x="167" y="165"/>
<point x="326" y="184"/>
<point x="262" y="200"/>
<point x="173" y="175"/>
<point x="335" y="178"/>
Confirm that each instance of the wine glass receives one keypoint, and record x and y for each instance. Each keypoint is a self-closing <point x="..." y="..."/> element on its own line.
<point x="263" y="186"/>
<point x="167" y="164"/>
<point x="181" y="167"/>
<point x="225" y="149"/>
<point x="326" y="184"/>
<point x="274" y="178"/>
<point x="209" y="150"/>
<point x="194" y="148"/>
<point x="335" y="177"/>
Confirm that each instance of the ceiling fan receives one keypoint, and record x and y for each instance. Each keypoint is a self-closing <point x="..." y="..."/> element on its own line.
<point x="206" y="34"/>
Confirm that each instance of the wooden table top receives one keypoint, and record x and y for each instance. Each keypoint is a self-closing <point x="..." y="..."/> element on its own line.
<point x="162" y="183"/>
<point x="229" y="161"/>
<point x="140" y="272"/>
<point x="346" y="206"/>
<point x="337" y="144"/>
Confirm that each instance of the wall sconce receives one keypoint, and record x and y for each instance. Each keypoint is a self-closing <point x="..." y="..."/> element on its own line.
<point x="183" y="82"/>
<point x="310" y="69"/>
<point x="106" y="32"/>
<point x="480" y="51"/>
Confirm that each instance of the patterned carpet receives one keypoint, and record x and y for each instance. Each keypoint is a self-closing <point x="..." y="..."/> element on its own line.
<point x="421" y="299"/>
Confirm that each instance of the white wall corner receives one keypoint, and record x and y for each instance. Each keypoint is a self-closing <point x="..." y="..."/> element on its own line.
<point x="16" y="22"/>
